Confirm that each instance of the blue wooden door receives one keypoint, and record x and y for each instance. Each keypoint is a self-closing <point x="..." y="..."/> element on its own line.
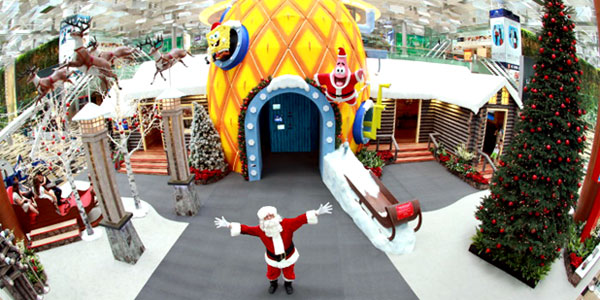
<point x="293" y="124"/>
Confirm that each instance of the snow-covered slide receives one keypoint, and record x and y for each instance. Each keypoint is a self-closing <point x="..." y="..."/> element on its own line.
<point x="342" y="163"/>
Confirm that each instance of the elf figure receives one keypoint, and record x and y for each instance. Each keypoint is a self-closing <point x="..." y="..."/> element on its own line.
<point x="340" y="82"/>
<point x="276" y="234"/>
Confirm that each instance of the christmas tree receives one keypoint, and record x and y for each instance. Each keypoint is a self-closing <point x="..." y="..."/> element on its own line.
<point x="207" y="161"/>
<point x="525" y="219"/>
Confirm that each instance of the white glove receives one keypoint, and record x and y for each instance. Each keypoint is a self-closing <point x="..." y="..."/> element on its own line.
<point x="324" y="209"/>
<point x="222" y="223"/>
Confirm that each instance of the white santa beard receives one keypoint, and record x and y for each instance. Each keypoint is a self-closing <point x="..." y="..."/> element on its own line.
<point x="271" y="227"/>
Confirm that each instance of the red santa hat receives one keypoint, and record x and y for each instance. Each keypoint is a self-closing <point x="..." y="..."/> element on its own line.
<point x="215" y="25"/>
<point x="266" y="210"/>
<point x="341" y="52"/>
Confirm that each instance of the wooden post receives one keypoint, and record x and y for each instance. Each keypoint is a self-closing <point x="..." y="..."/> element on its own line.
<point x="7" y="214"/>
<point x="586" y="210"/>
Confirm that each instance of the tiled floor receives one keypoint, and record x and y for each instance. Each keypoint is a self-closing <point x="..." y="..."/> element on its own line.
<point x="439" y="268"/>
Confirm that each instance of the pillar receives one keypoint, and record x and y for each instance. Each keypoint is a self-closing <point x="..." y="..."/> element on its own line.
<point x="404" y="40"/>
<point x="122" y="236"/>
<point x="10" y="91"/>
<point x="174" y="37"/>
<point x="186" y="198"/>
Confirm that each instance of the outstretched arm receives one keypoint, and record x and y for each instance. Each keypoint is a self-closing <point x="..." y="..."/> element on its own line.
<point x="310" y="217"/>
<point x="237" y="228"/>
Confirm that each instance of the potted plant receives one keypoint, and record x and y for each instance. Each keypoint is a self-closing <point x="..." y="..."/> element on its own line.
<point x="35" y="271"/>
<point x="576" y="253"/>
<point x="371" y="161"/>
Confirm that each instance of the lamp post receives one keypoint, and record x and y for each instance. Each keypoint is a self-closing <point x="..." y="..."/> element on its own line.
<point x="186" y="198"/>
<point x="122" y="236"/>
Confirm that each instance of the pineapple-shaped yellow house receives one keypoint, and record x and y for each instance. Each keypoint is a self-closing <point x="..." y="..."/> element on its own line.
<point x="286" y="37"/>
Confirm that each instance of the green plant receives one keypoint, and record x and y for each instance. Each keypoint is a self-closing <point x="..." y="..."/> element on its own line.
<point x="582" y="249"/>
<point x="464" y="156"/>
<point x="36" y="272"/>
<point x="369" y="159"/>
<point x="440" y="150"/>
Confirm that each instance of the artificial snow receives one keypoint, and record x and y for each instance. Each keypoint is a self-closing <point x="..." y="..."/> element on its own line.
<point x="89" y="112"/>
<point x="448" y="83"/>
<point x="343" y="162"/>
<point x="287" y="81"/>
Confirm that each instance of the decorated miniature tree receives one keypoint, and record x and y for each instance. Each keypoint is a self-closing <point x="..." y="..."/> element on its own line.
<point x="57" y="142"/>
<point x="524" y="221"/>
<point x="207" y="161"/>
<point x="144" y="123"/>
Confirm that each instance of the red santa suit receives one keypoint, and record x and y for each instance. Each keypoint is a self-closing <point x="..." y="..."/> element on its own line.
<point x="280" y="250"/>
<point x="344" y="93"/>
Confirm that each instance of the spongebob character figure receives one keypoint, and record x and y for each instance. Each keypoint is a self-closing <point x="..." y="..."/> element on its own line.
<point x="222" y="40"/>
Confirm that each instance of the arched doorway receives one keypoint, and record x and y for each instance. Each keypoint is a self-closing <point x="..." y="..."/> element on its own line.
<point x="326" y="119"/>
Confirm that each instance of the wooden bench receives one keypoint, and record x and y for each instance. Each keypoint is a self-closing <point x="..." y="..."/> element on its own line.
<point x="48" y="214"/>
<point x="385" y="208"/>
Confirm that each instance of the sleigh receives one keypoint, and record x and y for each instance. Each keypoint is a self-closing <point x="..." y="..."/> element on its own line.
<point x="386" y="209"/>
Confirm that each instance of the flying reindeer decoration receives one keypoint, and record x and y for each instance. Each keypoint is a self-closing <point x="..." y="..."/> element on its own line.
<point x="46" y="84"/>
<point x="84" y="61"/>
<point x="164" y="61"/>
<point x="121" y="52"/>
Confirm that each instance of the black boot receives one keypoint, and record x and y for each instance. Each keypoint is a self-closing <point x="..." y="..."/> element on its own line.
<point x="288" y="287"/>
<point x="273" y="286"/>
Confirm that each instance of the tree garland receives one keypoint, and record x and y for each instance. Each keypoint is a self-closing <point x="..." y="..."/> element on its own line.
<point x="242" y="120"/>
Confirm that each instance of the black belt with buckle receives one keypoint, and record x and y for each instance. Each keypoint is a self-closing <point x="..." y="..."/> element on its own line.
<point x="280" y="257"/>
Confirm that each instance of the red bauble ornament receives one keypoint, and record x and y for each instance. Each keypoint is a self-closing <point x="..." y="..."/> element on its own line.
<point x="501" y="230"/>
<point x="553" y="56"/>
<point x="559" y="181"/>
<point x="494" y="221"/>
<point x="498" y="245"/>
<point x="488" y="250"/>
<point x="553" y="20"/>
<point x="548" y="147"/>
<point x="565" y="28"/>
<point x="534" y="177"/>
<point x="533" y="106"/>
<point x="541" y="50"/>
<point x="557" y="114"/>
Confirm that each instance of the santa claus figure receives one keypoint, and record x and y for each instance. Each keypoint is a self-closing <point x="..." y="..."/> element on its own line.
<point x="276" y="234"/>
<point x="340" y="82"/>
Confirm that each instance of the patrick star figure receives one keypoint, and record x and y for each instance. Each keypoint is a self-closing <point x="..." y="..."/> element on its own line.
<point x="340" y="82"/>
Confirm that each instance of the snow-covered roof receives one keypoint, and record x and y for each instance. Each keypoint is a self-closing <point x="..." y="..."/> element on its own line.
<point x="116" y="106"/>
<point x="89" y="112"/>
<point x="287" y="81"/>
<point x="190" y="81"/>
<point x="447" y="83"/>
<point x="170" y="93"/>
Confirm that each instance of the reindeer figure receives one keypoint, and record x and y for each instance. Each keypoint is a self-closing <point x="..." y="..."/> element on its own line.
<point x="47" y="84"/>
<point x="164" y="61"/>
<point x="86" y="62"/>
<point x="121" y="52"/>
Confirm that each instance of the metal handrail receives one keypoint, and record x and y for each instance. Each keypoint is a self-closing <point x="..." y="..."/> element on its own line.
<point x="487" y="160"/>
<point x="392" y="143"/>
<point x="432" y="139"/>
